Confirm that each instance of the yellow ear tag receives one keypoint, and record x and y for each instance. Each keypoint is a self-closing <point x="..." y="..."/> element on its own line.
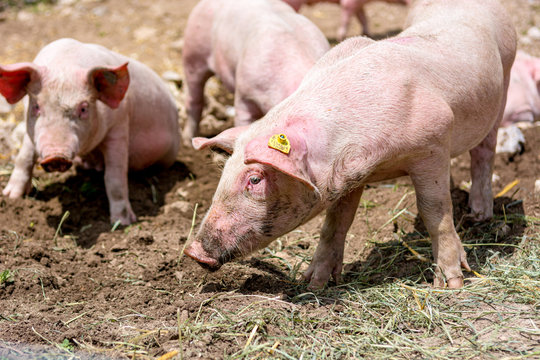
<point x="280" y="143"/>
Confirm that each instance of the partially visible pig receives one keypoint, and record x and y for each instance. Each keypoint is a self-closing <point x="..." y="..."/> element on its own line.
<point x="349" y="8"/>
<point x="523" y="102"/>
<point x="370" y="111"/>
<point x="85" y="101"/>
<point x="260" y="49"/>
<point x="522" y="105"/>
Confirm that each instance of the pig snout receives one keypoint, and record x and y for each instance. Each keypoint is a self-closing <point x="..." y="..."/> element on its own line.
<point x="56" y="163"/>
<point x="196" y="251"/>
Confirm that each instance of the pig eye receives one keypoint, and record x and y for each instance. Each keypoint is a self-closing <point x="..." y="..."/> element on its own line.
<point x="254" y="180"/>
<point x="83" y="110"/>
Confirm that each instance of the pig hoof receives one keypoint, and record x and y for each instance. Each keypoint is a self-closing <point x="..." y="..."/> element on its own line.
<point x="452" y="283"/>
<point x="455" y="283"/>
<point x="14" y="192"/>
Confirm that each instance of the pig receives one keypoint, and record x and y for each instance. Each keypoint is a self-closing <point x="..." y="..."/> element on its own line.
<point x="260" y="49"/>
<point x="88" y="103"/>
<point x="369" y="111"/>
<point x="349" y="8"/>
<point x="523" y="104"/>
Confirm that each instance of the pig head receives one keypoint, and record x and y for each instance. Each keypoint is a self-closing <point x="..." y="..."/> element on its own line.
<point x="523" y="103"/>
<point x="61" y="115"/>
<point x="263" y="194"/>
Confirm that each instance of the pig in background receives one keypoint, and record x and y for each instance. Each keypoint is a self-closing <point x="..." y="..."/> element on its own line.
<point x="260" y="49"/>
<point x="86" y="103"/>
<point x="522" y="105"/>
<point x="370" y="111"/>
<point x="349" y="8"/>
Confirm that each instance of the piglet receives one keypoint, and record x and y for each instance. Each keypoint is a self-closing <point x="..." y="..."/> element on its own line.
<point x="370" y="111"/>
<point x="260" y="49"/>
<point x="523" y="104"/>
<point x="87" y="102"/>
<point x="349" y="8"/>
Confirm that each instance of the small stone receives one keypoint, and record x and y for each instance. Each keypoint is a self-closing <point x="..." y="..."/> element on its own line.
<point x="172" y="76"/>
<point x="177" y="45"/>
<point x="100" y="11"/>
<point x="182" y="207"/>
<point x="537" y="187"/>
<point x="24" y="16"/>
<point x="534" y="33"/>
<point x="183" y="193"/>
<point x="144" y="33"/>
<point x="503" y="231"/>
<point x="229" y="111"/>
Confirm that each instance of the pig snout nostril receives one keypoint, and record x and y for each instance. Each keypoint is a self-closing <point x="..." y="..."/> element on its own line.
<point x="196" y="252"/>
<point x="56" y="163"/>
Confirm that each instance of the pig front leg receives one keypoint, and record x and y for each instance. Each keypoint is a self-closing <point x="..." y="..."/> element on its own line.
<point x="195" y="81"/>
<point x="246" y="111"/>
<point x="328" y="258"/>
<point x="20" y="181"/>
<point x="431" y="179"/>
<point x="481" y="195"/>
<point x="115" y="156"/>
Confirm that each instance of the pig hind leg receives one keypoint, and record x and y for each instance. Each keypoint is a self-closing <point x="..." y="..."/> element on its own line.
<point x="328" y="258"/>
<point x="431" y="179"/>
<point x="361" y="16"/>
<point x="481" y="195"/>
<point x="346" y="16"/>
<point x="195" y="81"/>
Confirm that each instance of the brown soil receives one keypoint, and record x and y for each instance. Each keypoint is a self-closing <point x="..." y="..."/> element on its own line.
<point x="83" y="282"/>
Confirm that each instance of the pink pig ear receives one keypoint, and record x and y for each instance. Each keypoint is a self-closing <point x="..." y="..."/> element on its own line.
<point x="225" y="140"/>
<point x="111" y="84"/>
<point x="535" y="64"/>
<point x="294" y="164"/>
<point x="15" y="79"/>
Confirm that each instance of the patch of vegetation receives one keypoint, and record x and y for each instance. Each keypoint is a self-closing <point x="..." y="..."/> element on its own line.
<point x="6" y="277"/>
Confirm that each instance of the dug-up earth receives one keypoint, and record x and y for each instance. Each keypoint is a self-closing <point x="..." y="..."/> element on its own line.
<point x="71" y="279"/>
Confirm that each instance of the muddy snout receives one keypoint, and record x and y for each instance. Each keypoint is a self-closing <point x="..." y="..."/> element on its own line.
<point x="197" y="253"/>
<point x="56" y="163"/>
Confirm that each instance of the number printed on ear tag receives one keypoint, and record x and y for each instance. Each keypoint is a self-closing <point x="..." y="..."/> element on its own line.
<point x="280" y="143"/>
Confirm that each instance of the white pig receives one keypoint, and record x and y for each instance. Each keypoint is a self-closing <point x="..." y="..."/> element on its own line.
<point x="260" y="49"/>
<point x="85" y="101"/>
<point x="370" y="111"/>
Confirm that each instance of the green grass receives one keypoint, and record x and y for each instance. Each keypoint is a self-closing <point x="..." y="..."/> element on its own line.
<point x="493" y="316"/>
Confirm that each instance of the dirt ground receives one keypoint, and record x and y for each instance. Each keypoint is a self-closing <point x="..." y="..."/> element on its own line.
<point x="80" y="280"/>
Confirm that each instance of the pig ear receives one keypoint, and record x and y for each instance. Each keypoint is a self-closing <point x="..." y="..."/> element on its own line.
<point x="111" y="84"/>
<point x="294" y="163"/>
<point x="15" y="79"/>
<point x="225" y="140"/>
<point x="535" y="64"/>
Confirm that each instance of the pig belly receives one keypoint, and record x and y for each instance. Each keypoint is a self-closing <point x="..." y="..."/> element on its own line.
<point x="156" y="147"/>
